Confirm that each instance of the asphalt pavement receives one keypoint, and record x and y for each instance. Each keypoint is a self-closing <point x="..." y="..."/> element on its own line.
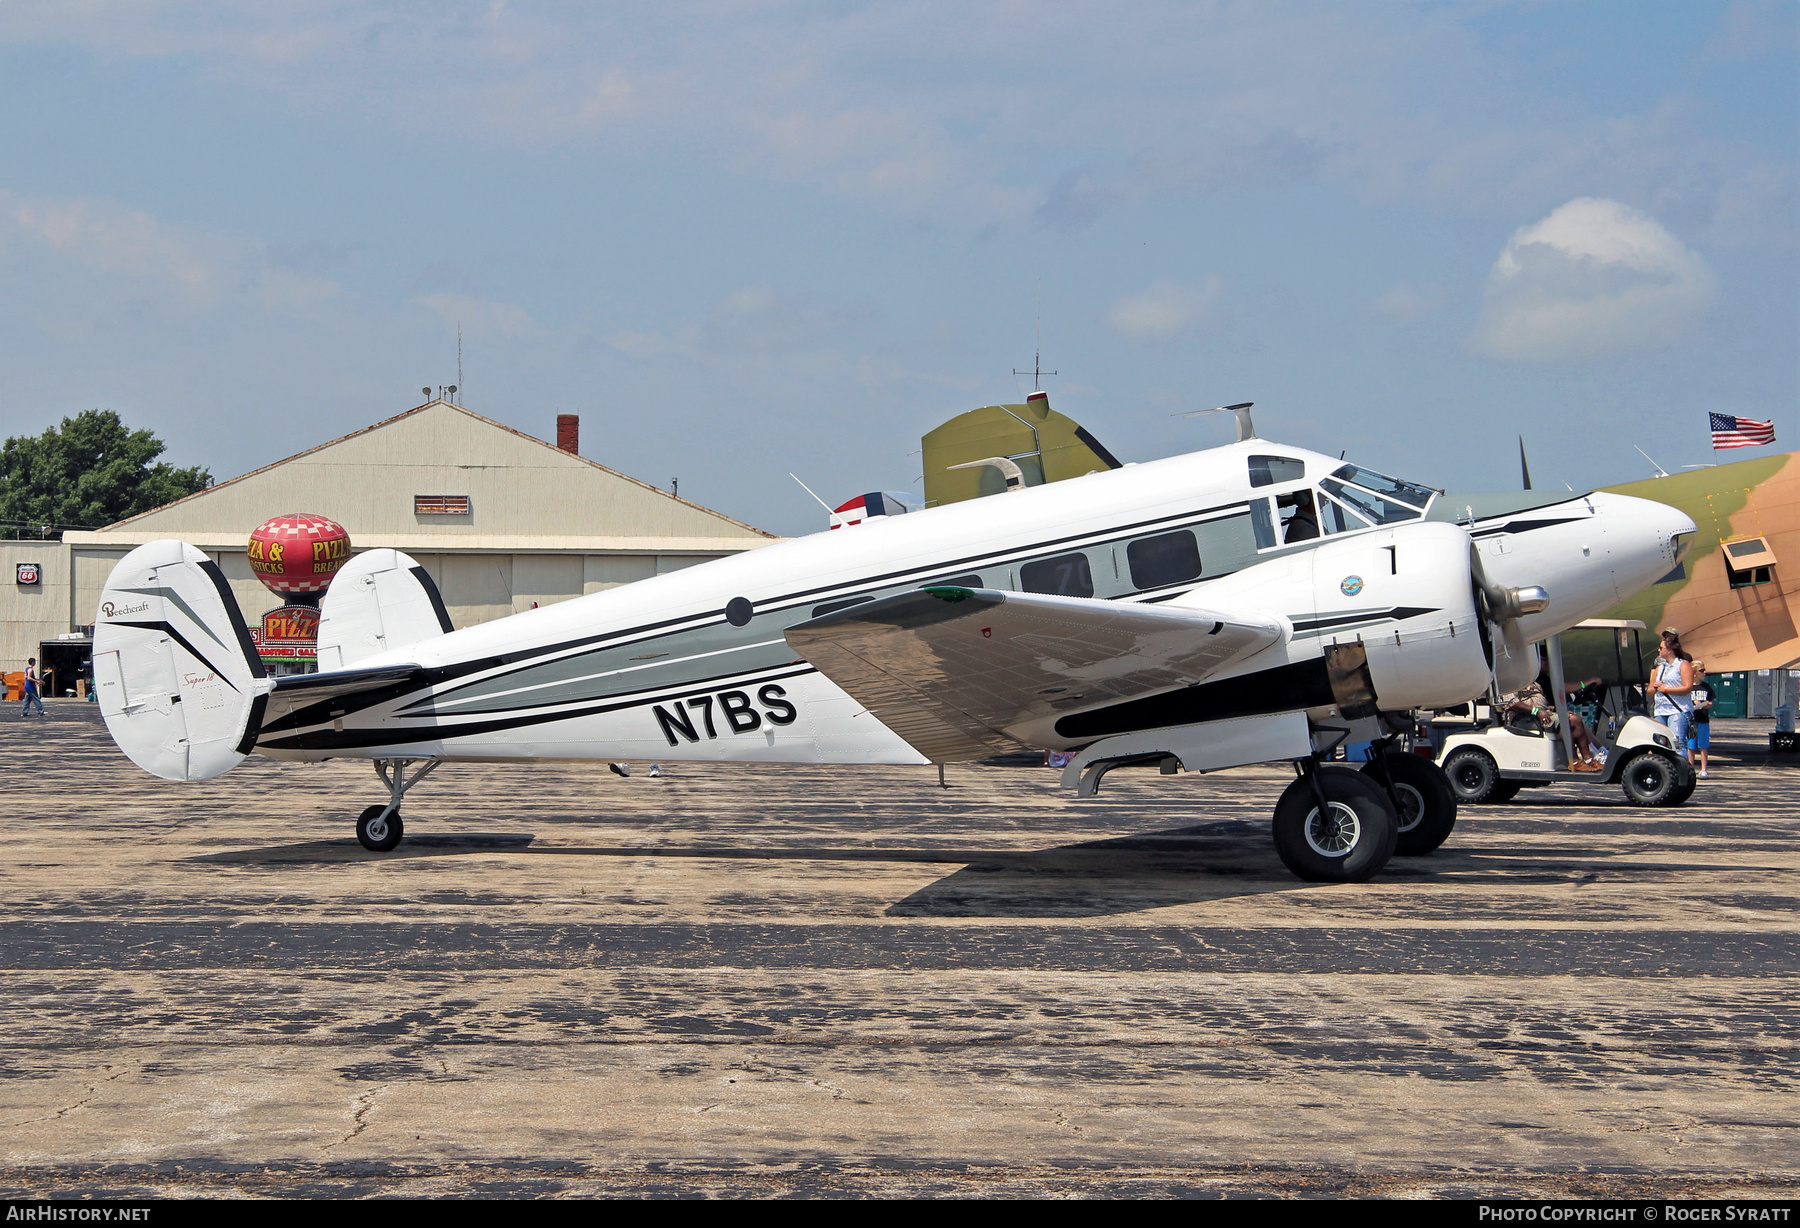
<point x="773" y="981"/>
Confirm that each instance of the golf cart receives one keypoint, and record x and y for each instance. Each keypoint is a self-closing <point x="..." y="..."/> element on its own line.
<point x="1491" y="761"/>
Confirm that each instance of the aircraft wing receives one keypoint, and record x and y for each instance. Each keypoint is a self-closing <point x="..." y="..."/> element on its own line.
<point x="957" y="671"/>
<point x="306" y="699"/>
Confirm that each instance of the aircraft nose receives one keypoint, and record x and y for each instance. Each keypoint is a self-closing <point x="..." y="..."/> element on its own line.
<point x="1648" y="540"/>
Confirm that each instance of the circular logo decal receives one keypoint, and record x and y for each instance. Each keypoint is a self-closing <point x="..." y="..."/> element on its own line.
<point x="1351" y="586"/>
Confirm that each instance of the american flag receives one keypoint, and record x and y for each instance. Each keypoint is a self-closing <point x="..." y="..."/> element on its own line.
<point x="1732" y="432"/>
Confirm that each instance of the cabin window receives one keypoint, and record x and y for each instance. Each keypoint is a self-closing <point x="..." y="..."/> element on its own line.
<point x="1168" y="558"/>
<point x="955" y="582"/>
<point x="1270" y="470"/>
<point x="1066" y="575"/>
<point x="1375" y="507"/>
<point x="1333" y="518"/>
<point x="1409" y="493"/>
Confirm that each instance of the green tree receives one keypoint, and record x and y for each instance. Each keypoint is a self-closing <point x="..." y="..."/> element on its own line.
<point x="88" y="472"/>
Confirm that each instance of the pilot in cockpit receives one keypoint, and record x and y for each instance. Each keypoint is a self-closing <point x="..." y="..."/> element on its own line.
<point x="1299" y="519"/>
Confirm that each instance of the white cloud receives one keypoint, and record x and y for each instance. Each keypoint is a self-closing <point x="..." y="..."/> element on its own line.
<point x="1407" y="302"/>
<point x="1164" y="308"/>
<point x="477" y="316"/>
<point x="107" y="237"/>
<point x="1594" y="278"/>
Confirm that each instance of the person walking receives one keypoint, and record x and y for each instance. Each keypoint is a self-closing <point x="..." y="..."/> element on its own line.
<point x="1671" y="687"/>
<point x="31" y="688"/>
<point x="1700" y="732"/>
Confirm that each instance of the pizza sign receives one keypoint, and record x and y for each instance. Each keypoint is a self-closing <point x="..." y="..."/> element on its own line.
<point x="291" y="623"/>
<point x="29" y="575"/>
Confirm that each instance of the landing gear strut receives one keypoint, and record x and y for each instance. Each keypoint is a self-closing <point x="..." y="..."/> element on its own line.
<point x="379" y="828"/>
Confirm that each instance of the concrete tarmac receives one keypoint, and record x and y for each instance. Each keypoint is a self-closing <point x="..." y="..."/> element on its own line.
<point x="771" y="981"/>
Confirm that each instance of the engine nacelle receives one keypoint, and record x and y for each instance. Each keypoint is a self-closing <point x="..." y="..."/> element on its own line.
<point x="1392" y="612"/>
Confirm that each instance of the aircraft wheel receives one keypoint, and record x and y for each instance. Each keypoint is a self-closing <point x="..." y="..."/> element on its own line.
<point x="1649" y="780"/>
<point x="1475" y="778"/>
<point x="1350" y="842"/>
<point x="1427" y="803"/>
<point x="378" y="834"/>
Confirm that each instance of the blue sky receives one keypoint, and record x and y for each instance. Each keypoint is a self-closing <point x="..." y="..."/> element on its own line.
<point x="746" y="238"/>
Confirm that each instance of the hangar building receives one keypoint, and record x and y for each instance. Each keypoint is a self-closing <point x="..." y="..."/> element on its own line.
<point x="502" y="521"/>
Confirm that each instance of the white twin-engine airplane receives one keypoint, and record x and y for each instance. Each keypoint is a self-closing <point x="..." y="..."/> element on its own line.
<point x="1244" y="604"/>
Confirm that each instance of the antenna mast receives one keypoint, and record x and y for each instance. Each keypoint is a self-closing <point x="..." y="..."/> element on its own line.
<point x="1037" y="372"/>
<point x="459" y="382"/>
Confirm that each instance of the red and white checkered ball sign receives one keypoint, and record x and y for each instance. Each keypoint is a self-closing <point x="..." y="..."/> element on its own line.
<point x="299" y="552"/>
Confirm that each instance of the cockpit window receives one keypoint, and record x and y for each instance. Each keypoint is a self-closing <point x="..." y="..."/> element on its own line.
<point x="1336" y="519"/>
<point x="1375" y="507"/>
<point x="1268" y="470"/>
<point x="1392" y="488"/>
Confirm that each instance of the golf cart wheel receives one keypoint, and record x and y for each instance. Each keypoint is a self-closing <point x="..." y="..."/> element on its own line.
<point x="1427" y="804"/>
<point x="1684" y="791"/>
<point x="1475" y="778"/>
<point x="1650" y="780"/>
<point x="1349" y="841"/>
<point x="378" y="834"/>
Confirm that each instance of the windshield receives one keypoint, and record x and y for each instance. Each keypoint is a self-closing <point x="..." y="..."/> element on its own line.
<point x="1393" y="488"/>
<point x="1373" y="506"/>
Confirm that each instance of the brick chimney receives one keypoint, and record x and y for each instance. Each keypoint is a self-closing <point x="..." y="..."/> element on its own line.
<point x="568" y="433"/>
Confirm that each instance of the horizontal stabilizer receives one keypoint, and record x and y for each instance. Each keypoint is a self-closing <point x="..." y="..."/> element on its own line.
<point x="963" y="673"/>
<point x="380" y="601"/>
<point x="300" y="700"/>
<point x="177" y="677"/>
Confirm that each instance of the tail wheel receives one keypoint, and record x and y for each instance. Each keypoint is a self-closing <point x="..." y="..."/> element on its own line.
<point x="379" y="832"/>
<point x="1650" y="780"/>
<point x="1475" y="778"/>
<point x="1348" y="841"/>
<point x="1427" y="802"/>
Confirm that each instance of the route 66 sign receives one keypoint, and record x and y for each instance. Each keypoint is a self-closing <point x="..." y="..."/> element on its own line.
<point x="28" y="575"/>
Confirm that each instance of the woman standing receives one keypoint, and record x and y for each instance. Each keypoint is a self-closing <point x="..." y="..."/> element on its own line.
<point x="1672" y="683"/>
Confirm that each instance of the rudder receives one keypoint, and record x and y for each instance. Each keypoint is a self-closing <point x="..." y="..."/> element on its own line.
<point x="177" y="677"/>
<point x="379" y="601"/>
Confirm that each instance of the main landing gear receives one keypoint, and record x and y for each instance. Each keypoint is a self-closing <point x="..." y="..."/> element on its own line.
<point x="1334" y="825"/>
<point x="1339" y="825"/>
<point x="379" y="828"/>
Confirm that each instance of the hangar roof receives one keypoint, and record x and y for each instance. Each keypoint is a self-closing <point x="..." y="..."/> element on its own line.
<point x="515" y="486"/>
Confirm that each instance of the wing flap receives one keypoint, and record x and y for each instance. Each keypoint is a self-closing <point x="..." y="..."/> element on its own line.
<point x="963" y="673"/>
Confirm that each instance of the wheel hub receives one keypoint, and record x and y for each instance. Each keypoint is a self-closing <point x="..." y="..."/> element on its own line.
<point x="1335" y="832"/>
<point x="1412" y="806"/>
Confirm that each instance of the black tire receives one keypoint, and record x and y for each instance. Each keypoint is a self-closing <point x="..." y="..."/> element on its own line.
<point x="378" y="835"/>
<point x="1427" y="804"/>
<point x="1475" y="778"/>
<point x="1684" y="791"/>
<point x="1351" y="844"/>
<point x="1650" y="780"/>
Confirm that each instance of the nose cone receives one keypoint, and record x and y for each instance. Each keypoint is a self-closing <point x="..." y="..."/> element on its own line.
<point x="1646" y="540"/>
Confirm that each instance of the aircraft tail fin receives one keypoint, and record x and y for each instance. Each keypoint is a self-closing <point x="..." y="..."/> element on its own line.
<point x="379" y="601"/>
<point x="178" y="680"/>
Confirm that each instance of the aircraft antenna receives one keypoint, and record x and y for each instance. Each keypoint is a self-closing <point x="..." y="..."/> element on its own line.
<point x="1245" y="428"/>
<point x="829" y="510"/>
<point x="1524" y="469"/>
<point x="1037" y="372"/>
<point x="1660" y="471"/>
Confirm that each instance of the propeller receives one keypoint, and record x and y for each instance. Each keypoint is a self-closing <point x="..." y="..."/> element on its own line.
<point x="1515" y="662"/>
